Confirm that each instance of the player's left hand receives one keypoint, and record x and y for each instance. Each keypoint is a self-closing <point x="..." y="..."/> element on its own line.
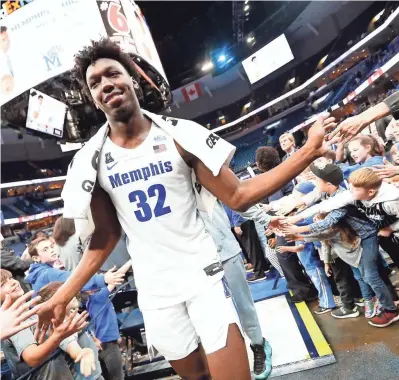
<point x="317" y="133"/>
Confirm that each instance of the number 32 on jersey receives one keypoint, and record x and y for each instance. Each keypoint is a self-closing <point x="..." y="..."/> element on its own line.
<point x="144" y="213"/>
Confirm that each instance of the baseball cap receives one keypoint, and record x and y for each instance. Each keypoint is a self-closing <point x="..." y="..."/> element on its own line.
<point x="329" y="173"/>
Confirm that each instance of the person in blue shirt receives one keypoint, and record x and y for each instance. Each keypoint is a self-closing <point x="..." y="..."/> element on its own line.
<point x="366" y="152"/>
<point x="106" y="329"/>
<point x="42" y="271"/>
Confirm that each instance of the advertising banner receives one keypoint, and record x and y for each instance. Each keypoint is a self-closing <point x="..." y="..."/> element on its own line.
<point x="45" y="114"/>
<point x="39" y="40"/>
<point x="268" y="59"/>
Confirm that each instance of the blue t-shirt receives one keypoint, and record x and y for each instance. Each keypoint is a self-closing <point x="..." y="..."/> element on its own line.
<point x="106" y="323"/>
<point x="375" y="160"/>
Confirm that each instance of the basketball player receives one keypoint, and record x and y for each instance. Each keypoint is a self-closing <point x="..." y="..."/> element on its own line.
<point x="177" y="272"/>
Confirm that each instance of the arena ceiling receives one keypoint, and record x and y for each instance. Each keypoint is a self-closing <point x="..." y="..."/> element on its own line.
<point x="186" y="32"/>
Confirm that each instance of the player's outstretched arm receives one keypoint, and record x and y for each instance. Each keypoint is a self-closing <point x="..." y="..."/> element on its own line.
<point x="106" y="235"/>
<point x="352" y="126"/>
<point x="240" y="195"/>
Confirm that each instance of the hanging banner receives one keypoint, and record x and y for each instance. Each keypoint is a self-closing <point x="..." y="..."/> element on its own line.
<point x="126" y="25"/>
<point x="38" y="41"/>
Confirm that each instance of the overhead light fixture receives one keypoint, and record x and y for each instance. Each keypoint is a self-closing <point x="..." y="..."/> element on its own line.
<point x="323" y="60"/>
<point x="377" y="16"/>
<point x="207" y="66"/>
<point x="247" y="105"/>
<point x="250" y="39"/>
<point x="221" y="117"/>
<point x="221" y="58"/>
<point x="246" y="2"/>
<point x="271" y="126"/>
<point x="292" y="80"/>
<point x="246" y="14"/>
<point x="246" y="8"/>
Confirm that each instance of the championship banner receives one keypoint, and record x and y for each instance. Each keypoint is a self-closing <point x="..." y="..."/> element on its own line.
<point x="38" y="41"/>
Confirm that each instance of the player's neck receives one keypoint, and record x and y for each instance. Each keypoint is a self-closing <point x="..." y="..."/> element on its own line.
<point x="130" y="133"/>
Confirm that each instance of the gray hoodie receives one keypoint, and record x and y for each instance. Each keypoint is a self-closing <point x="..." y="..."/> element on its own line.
<point x="335" y="247"/>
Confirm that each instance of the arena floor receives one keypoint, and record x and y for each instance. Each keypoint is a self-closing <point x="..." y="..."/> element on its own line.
<point x="362" y="351"/>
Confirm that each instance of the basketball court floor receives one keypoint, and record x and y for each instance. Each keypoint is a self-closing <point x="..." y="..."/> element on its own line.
<point x="297" y="342"/>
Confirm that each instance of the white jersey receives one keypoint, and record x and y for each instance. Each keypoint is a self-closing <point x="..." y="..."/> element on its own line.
<point x="173" y="257"/>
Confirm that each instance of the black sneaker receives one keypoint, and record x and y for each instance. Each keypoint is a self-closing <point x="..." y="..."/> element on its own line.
<point x="297" y="299"/>
<point x="344" y="312"/>
<point x="262" y="359"/>
<point x="322" y="310"/>
<point x="254" y="278"/>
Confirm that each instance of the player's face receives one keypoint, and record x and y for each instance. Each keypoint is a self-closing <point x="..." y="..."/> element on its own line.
<point x="112" y="89"/>
<point x="4" y="42"/>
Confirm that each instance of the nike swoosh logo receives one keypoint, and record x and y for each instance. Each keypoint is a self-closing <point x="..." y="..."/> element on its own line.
<point x="109" y="167"/>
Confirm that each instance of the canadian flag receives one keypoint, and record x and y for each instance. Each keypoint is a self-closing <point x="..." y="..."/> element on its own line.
<point x="191" y="92"/>
<point x="375" y="76"/>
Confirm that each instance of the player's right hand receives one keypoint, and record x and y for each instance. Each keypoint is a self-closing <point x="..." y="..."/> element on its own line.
<point x="49" y="314"/>
<point x="73" y="324"/>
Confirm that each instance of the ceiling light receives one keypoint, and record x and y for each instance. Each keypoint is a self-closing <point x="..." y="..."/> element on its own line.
<point x="207" y="66"/>
<point x="247" y="105"/>
<point x="246" y="14"/>
<point x="377" y="16"/>
<point x="221" y="117"/>
<point x="292" y="80"/>
<point x="246" y="1"/>
<point x="221" y="58"/>
<point x="250" y="39"/>
<point x="271" y="126"/>
<point x="246" y="8"/>
<point x="323" y="60"/>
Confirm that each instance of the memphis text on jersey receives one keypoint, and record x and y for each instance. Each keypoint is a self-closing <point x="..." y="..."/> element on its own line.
<point x="142" y="174"/>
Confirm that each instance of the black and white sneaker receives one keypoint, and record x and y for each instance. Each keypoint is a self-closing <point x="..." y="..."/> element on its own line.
<point x="344" y="312"/>
<point x="253" y="278"/>
<point x="262" y="360"/>
<point x="322" y="310"/>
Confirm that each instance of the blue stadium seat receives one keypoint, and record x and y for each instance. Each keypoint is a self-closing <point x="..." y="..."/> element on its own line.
<point x="8" y="213"/>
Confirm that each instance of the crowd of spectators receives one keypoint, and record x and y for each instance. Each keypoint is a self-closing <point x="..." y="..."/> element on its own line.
<point x="74" y="349"/>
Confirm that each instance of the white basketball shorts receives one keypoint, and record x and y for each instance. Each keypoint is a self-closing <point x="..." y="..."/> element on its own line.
<point x="175" y="331"/>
